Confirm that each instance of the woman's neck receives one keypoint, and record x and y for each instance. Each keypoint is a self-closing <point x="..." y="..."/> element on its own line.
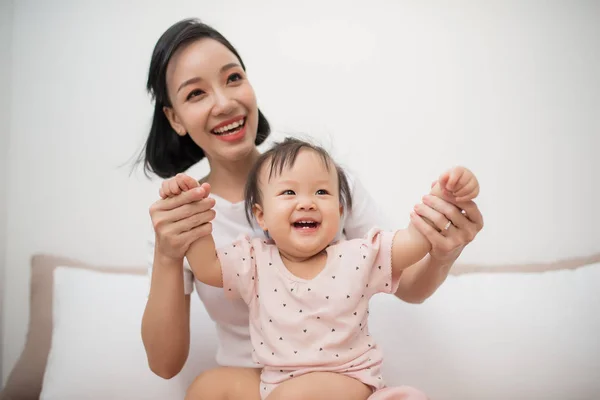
<point x="228" y="179"/>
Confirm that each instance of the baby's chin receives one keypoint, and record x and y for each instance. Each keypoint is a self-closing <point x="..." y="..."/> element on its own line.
<point x="306" y="250"/>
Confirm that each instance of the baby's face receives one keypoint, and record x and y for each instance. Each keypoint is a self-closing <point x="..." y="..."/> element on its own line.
<point x="301" y="206"/>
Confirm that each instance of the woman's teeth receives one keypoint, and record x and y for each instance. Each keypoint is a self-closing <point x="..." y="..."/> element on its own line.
<point x="231" y="128"/>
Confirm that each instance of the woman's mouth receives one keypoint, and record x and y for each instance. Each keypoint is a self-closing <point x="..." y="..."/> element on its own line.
<point x="230" y="129"/>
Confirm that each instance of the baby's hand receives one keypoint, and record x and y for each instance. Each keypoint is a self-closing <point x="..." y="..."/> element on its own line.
<point x="459" y="183"/>
<point x="174" y="186"/>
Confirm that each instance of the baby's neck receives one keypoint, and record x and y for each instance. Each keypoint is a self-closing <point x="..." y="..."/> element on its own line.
<point x="305" y="267"/>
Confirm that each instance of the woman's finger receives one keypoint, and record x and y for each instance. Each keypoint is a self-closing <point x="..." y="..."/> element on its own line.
<point x="448" y="210"/>
<point x="196" y="233"/>
<point x="192" y="221"/>
<point x="188" y="210"/>
<point x="438" y="219"/>
<point x="426" y="230"/>
<point x="473" y="214"/>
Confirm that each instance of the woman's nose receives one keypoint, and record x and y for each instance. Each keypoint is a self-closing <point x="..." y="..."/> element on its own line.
<point x="224" y="104"/>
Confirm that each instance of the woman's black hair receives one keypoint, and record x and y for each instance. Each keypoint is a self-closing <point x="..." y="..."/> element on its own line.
<point x="166" y="153"/>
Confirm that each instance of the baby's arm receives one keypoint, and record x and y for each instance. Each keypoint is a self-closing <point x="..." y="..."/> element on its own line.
<point x="203" y="260"/>
<point x="410" y="245"/>
<point x="202" y="257"/>
<point x="202" y="254"/>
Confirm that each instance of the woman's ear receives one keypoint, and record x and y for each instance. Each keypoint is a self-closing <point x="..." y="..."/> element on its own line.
<point x="174" y="121"/>
<point x="259" y="215"/>
<point x="341" y="210"/>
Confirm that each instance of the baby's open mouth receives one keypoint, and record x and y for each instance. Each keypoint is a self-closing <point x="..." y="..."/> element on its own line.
<point x="306" y="224"/>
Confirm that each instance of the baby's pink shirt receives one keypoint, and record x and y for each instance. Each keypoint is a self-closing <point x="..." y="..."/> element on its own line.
<point x="322" y="322"/>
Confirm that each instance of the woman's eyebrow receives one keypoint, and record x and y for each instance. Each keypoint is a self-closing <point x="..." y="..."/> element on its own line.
<point x="197" y="79"/>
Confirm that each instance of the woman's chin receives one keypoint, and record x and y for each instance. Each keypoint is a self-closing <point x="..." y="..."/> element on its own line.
<point x="235" y="152"/>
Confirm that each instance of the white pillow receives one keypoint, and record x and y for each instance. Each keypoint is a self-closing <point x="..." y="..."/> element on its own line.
<point x="497" y="336"/>
<point x="97" y="351"/>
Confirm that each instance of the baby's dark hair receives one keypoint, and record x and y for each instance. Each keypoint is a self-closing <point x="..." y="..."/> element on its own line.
<point x="282" y="155"/>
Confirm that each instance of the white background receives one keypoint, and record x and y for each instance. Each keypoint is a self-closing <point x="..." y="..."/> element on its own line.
<point x="397" y="90"/>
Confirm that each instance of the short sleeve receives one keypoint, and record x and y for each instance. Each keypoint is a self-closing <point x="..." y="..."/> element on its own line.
<point x="365" y="213"/>
<point x="239" y="269"/>
<point x="378" y="245"/>
<point x="188" y="276"/>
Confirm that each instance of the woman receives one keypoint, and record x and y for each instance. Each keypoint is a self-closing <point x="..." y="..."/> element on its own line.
<point x="206" y="107"/>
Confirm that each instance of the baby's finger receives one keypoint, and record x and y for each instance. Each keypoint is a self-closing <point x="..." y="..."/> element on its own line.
<point x="182" y="182"/>
<point x="467" y="189"/>
<point x="166" y="188"/>
<point x="190" y="182"/>
<point x="455" y="175"/>
<point x="161" y="193"/>
<point x="464" y="180"/>
<point x="177" y="201"/>
<point x="174" y="188"/>
<point x="469" y="196"/>
<point x="443" y="180"/>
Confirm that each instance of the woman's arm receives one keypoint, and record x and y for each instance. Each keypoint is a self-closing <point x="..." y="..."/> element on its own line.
<point x="177" y="222"/>
<point x="166" y="319"/>
<point x="421" y="280"/>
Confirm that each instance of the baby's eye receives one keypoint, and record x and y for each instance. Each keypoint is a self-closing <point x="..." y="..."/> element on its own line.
<point x="236" y="76"/>
<point x="288" y="192"/>
<point x="194" y="93"/>
<point x="322" y="192"/>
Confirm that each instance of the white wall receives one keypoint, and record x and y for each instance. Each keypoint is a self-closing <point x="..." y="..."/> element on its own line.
<point x="399" y="90"/>
<point x="6" y="18"/>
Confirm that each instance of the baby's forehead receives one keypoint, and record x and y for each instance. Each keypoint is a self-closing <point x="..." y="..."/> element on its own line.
<point x="308" y="165"/>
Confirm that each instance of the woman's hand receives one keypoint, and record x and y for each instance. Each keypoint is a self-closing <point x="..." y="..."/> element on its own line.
<point x="180" y="220"/>
<point x="448" y="224"/>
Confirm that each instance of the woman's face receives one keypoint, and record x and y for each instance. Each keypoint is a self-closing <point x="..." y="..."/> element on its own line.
<point x="212" y="100"/>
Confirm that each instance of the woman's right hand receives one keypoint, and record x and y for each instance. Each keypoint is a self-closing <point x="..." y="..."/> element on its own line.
<point x="180" y="220"/>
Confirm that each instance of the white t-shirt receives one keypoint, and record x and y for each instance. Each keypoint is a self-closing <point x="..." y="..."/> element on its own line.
<point x="231" y="317"/>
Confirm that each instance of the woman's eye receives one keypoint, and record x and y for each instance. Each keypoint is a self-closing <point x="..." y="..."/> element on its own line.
<point x="288" y="192"/>
<point x="236" y="76"/>
<point x="322" y="192"/>
<point x="195" y="93"/>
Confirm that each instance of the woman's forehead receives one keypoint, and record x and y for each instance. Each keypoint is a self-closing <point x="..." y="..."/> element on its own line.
<point x="202" y="58"/>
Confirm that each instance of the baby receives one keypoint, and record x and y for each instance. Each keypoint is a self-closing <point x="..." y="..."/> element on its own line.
<point x="308" y="296"/>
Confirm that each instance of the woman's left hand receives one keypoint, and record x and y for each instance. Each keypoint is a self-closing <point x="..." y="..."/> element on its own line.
<point x="455" y="225"/>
